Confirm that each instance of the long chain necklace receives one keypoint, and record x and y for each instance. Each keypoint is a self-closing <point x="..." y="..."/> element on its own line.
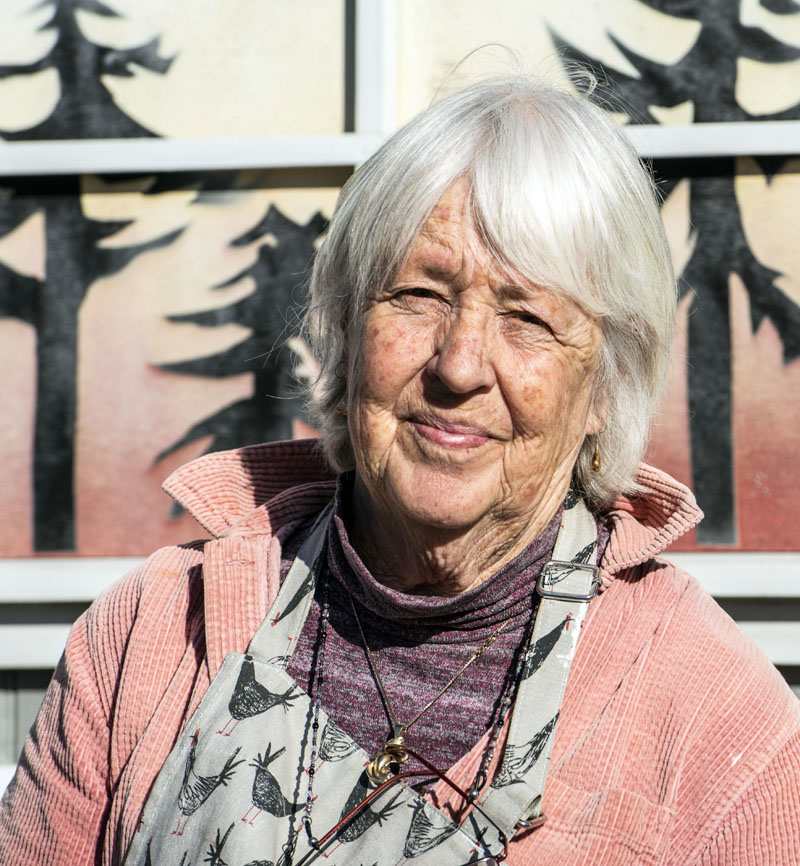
<point x="392" y="753"/>
<point x="324" y="617"/>
<point x="384" y="764"/>
<point x="509" y="695"/>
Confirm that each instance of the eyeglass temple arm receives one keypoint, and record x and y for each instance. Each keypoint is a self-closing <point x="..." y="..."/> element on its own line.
<point x="406" y="774"/>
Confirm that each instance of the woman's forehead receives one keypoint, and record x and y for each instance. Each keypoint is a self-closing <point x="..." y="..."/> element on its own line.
<point x="448" y="232"/>
<point x="450" y="240"/>
<point x="453" y="205"/>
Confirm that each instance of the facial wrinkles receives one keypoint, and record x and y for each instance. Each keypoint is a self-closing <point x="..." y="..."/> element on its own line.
<point x="470" y="329"/>
<point x="452" y="342"/>
<point x="455" y="253"/>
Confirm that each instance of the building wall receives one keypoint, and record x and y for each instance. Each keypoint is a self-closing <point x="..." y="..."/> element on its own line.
<point x="148" y="318"/>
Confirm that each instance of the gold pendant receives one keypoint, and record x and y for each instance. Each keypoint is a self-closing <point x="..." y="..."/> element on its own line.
<point x="389" y="758"/>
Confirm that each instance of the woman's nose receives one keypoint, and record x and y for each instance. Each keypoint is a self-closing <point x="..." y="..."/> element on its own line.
<point x="461" y="359"/>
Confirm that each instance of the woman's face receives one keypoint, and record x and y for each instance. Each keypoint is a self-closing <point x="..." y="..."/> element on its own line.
<point x="475" y="388"/>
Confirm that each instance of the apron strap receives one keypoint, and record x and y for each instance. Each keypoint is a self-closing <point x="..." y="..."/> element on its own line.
<point x="277" y="637"/>
<point x="566" y="585"/>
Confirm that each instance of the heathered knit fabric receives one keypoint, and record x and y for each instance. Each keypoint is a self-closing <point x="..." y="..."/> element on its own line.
<point x="417" y="643"/>
<point x="678" y="744"/>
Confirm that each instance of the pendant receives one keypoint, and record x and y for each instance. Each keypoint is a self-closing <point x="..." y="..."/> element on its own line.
<point x="389" y="758"/>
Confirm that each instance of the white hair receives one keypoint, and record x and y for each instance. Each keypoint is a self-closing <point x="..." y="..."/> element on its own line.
<point x="560" y="198"/>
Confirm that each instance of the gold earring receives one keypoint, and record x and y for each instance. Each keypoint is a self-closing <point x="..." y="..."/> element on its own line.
<point x="596" y="461"/>
<point x="342" y="412"/>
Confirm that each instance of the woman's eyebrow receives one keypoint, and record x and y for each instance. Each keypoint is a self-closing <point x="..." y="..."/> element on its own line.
<point x="436" y="266"/>
<point x="439" y="271"/>
<point x="516" y="292"/>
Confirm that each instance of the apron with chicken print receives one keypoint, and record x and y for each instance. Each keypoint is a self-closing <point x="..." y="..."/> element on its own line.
<point x="233" y="790"/>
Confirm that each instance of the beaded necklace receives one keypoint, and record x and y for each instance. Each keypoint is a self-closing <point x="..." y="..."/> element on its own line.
<point x="319" y="679"/>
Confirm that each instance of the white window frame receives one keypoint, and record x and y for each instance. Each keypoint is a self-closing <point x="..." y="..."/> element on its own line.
<point x="62" y="580"/>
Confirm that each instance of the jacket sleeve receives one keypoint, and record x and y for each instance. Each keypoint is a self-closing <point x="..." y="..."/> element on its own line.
<point x="54" y="809"/>
<point x="763" y="827"/>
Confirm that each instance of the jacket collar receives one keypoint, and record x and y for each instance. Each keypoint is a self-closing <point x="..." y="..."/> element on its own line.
<point x="643" y="526"/>
<point x="250" y="490"/>
<point x="259" y="489"/>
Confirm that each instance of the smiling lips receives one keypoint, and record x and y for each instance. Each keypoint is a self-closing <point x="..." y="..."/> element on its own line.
<point x="450" y="434"/>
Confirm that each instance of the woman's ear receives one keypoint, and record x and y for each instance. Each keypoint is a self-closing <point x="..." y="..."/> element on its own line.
<point x="596" y="419"/>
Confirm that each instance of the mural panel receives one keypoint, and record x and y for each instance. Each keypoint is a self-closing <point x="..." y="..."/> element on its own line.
<point x="726" y="424"/>
<point x="144" y="320"/>
<point x="148" y="320"/>
<point x="134" y="68"/>
<point x="724" y="427"/>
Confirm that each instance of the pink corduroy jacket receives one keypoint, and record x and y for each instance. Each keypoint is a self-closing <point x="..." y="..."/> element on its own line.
<point x="678" y="742"/>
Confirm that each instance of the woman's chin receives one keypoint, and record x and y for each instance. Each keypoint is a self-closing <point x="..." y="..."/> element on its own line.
<point x="442" y="501"/>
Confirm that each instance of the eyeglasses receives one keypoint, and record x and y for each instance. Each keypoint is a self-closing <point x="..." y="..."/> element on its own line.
<point x="318" y="845"/>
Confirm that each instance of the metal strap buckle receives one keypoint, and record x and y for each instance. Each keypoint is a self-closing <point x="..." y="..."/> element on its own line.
<point x="531" y="823"/>
<point x="549" y="578"/>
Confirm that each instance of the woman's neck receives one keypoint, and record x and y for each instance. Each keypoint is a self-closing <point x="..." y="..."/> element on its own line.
<point x="425" y="560"/>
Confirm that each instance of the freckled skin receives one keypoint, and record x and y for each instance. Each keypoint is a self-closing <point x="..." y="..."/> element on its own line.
<point x="474" y="395"/>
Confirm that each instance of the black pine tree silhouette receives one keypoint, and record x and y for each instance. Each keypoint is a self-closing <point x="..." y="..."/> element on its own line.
<point x="73" y="262"/>
<point x="271" y="312"/>
<point x="17" y="291"/>
<point x="706" y="75"/>
<point x="85" y="108"/>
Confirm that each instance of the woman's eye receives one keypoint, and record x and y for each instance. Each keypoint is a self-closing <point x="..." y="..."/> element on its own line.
<point x="415" y="297"/>
<point x="526" y="318"/>
<point x="418" y="293"/>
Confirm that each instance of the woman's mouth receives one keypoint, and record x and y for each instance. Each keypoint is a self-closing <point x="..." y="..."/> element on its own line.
<point x="450" y="434"/>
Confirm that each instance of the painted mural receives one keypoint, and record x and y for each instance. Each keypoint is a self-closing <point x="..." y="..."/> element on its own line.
<point x="708" y="84"/>
<point x="80" y="69"/>
<point x="147" y="320"/>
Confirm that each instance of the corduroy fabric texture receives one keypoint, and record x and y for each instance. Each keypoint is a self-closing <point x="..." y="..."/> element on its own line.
<point x="678" y="743"/>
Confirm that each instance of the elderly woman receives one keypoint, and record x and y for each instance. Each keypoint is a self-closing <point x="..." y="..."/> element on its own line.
<point x="443" y="634"/>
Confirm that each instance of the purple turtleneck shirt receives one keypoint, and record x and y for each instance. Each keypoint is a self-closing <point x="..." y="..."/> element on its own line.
<point x="417" y="643"/>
